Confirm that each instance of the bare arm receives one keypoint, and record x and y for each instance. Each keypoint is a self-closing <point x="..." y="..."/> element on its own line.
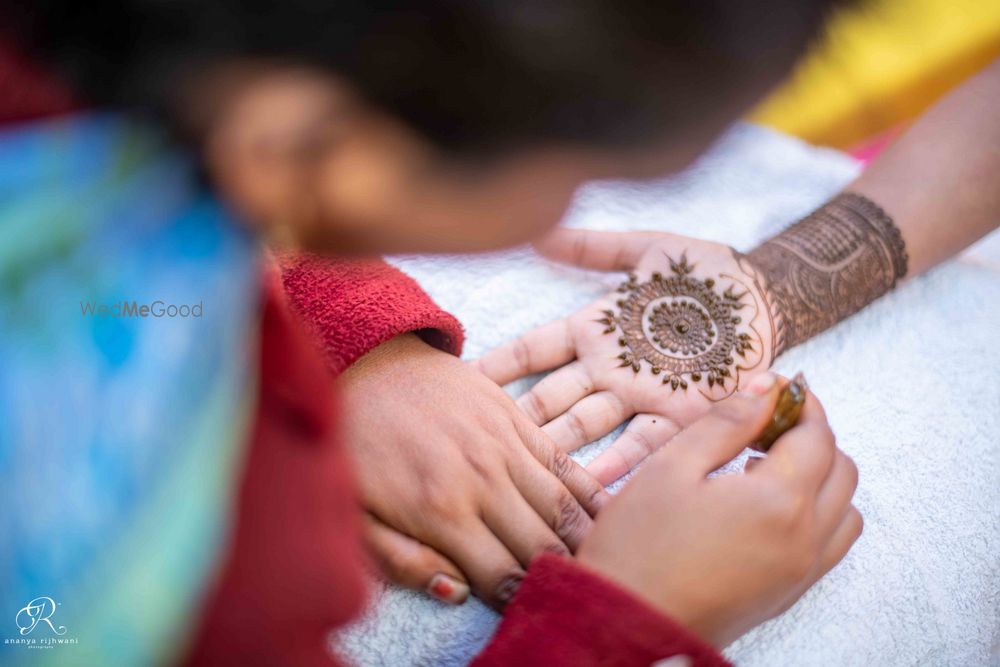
<point x="934" y="192"/>
<point x="941" y="181"/>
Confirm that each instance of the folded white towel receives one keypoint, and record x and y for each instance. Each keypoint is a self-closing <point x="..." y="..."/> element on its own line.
<point x="911" y="386"/>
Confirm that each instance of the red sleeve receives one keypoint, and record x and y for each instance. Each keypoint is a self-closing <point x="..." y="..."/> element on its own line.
<point x="354" y="305"/>
<point x="294" y="562"/>
<point x="27" y="90"/>
<point x="564" y="614"/>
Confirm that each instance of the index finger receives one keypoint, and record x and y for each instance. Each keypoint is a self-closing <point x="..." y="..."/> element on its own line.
<point x="540" y="349"/>
<point x="806" y="452"/>
<point x="410" y="563"/>
<point x="720" y="435"/>
<point x="604" y="251"/>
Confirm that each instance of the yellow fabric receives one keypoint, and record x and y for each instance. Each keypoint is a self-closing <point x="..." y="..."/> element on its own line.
<point x="880" y="64"/>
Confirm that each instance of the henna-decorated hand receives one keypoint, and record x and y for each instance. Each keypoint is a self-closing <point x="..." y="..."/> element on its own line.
<point x="455" y="479"/>
<point x="688" y="327"/>
<point x="724" y="554"/>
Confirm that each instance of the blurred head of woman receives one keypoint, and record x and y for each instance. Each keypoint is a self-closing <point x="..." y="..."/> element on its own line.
<point x="443" y="125"/>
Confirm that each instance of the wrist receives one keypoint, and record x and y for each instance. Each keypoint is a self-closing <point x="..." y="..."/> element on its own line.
<point x="632" y="581"/>
<point x="404" y="346"/>
<point x="828" y="266"/>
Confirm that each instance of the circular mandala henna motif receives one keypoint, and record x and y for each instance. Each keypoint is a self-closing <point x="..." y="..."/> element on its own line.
<point x="681" y="326"/>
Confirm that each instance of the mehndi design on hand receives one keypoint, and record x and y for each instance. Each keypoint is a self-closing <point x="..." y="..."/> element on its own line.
<point x="687" y="328"/>
<point x="828" y="266"/>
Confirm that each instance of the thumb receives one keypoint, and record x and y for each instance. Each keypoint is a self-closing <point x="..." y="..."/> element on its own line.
<point x="412" y="564"/>
<point x="727" y="429"/>
<point x="604" y="251"/>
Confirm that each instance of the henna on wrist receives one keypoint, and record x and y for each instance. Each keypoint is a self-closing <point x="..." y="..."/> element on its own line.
<point x="828" y="266"/>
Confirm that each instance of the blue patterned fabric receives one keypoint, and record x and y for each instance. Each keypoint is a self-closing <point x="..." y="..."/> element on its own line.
<point x="119" y="433"/>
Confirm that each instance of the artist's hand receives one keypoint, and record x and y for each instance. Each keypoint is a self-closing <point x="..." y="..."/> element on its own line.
<point x="662" y="351"/>
<point x="722" y="555"/>
<point x="456" y="479"/>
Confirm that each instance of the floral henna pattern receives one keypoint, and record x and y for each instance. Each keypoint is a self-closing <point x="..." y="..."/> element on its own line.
<point x="686" y="328"/>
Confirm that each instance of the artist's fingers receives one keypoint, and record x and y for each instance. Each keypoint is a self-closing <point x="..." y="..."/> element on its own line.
<point x="520" y="528"/>
<point x="561" y="512"/>
<point x="838" y="489"/>
<point x="842" y="538"/>
<point x="556" y="393"/>
<point x="550" y="500"/>
<point x="645" y="434"/>
<point x="604" y="251"/>
<point x="723" y="433"/>
<point x="805" y="453"/>
<point x="540" y="349"/>
<point x="596" y="415"/>
<point x="412" y="564"/>
<point x="492" y="570"/>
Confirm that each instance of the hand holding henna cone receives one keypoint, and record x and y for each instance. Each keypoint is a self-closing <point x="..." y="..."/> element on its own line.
<point x="786" y="413"/>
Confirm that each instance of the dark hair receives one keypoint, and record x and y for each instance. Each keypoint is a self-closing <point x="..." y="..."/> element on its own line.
<point x="470" y="75"/>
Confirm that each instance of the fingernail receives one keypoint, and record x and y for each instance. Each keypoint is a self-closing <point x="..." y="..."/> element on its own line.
<point x="800" y="379"/>
<point x="761" y="384"/>
<point x="447" y="589"/>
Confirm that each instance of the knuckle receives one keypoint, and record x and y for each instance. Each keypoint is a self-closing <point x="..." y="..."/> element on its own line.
<point x="825" y="434"/>
<point x="561" y="465"/>
<point x="801" y="564"/>
<point x="640" y="439"/>
<point x="505" y="586"/>
<point x="596" y="499"/>
<point x="439" y="502"/>
<point x="576" y="426"/>
<point x="735" y="410"/>
<point x="533" y="406"/>
<point x="857" y="523"/>
<point x="557" y="548"/>
<point x="536" y="445"/>
<point x="852" y="471"/>
<point x="787" y="510"/>
<point x="480" y="463"/>
<point x="394" y="564"/>
<point x="818" y="429"/>
<point x="579" y="249"/>
<point x="815" y="435"/>
<point x="570" y="521"/>
<point x="522" y="353"/>
<point x="611" y="407"/>
<point x="819" y="409"/>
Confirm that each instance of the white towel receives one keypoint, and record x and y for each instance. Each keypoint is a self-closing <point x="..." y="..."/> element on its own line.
<point x="911" y="386"/>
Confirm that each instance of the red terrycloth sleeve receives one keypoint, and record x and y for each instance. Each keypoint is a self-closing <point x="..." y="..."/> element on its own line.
<point x="354" y="305"/>
<point x="565" y="614"/>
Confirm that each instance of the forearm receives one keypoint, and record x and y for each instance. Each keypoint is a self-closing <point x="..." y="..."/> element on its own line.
<point x="941" y="181"/>
<point x="936" y="191"/>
